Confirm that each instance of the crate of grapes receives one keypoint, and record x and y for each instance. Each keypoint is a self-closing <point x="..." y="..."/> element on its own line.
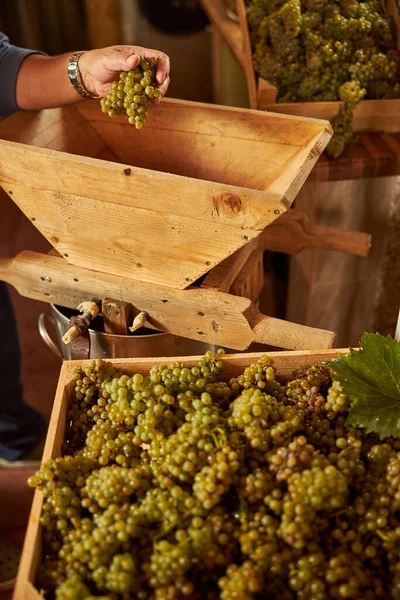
<point x="60" y="539"/>
<point x="312" y="59"/>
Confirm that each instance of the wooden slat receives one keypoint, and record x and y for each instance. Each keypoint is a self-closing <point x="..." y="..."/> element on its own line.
<point x="214" y="317"/>
<point x="237" y="36"/>
<point x="228" y="145"/>
<point x="369" y="115"/>
<point x="221" y="277"/>
<point x="117" y="316"/>
<point x="294" y="232"/>
<point x="247" y="54"/>
<point x="250" y="280"/>
<point x="374" y="155"/>
<point x="266" y="93"/>
<point x="64" y="129"/>
<point x="393" y="11"/>
<point x="148" y="245"/>
<point x="231" y="31"/>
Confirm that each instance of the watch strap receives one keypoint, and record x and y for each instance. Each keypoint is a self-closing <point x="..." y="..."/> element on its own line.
<point x="75" y="76"/>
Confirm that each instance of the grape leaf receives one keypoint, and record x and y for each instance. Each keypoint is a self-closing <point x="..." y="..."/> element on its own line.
<point x="371" y="378"/>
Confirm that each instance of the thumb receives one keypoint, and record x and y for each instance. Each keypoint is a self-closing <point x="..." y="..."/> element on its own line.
<point x="121" y="60"/>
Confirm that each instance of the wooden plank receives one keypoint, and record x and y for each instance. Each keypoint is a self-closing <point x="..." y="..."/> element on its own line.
<point x="393" y="11"/>
<point x="115" y="184"/>
<point x="250" y="281"/>
<point x="247" y="53"/>
<point x="117" y="316"/>
<point x="231" y="31"/>
<point x="228" y="145"/>
<point x="294" y="232"/>
<point x="369" y="115"/>
<point x="236" y="34"/>
<point x="128" y="235"/>
<point x="222" y="276"/>
<point x="266" y="93"/>
<point x="229" y="82"/>
<point x="217" y="70"/>
<point x="380" y="159"/>
<point x="286" y="363"/>
<point x="64" y="129"/>
<point x="226" y="320"/>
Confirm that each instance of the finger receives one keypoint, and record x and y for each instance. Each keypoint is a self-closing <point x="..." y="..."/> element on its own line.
<point x="163" y="67"/>
<point x="164" y="87"/>
<point x="163" y="90"/>
<point x="121" y="59"/>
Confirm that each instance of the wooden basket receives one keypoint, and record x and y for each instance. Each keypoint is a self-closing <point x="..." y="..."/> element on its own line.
<point x="196" y="184"/>
<point x="285" y="362"/>
<point x="370" y="115"/>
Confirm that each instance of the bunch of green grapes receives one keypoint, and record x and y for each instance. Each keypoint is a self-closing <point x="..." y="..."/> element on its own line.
<point x="179" y="485"/>
<point x="321" y="51"/>
<point x="132" y="93"/>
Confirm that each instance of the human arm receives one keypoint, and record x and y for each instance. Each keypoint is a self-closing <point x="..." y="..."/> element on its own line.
<point x="43" y="81"/>
<point x="32" y="81"/>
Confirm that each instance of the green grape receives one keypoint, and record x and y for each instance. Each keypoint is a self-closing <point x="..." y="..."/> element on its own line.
<point x="243" y="582"/>
<point x="214" y="480"/>
<point x="72" y="589"/>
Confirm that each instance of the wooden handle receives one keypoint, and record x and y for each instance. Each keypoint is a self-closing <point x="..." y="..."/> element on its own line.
<point x="290" y="336"/>
<point x="222" y="319"/>
<point x="293" y="232"/>
<point x="392" y="10"/>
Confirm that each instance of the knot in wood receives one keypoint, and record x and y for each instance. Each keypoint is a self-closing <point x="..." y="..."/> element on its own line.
<point x="232" y="202"/>
<point x="228" y="204"/>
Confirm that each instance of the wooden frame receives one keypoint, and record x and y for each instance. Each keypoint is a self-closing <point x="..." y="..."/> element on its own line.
<point x="204" y="179"/>
<point x="370" y="115"/>
<point x="285" y="362"/>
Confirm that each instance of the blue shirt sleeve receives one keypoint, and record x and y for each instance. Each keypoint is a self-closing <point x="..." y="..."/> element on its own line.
<point x="11" y="58"/>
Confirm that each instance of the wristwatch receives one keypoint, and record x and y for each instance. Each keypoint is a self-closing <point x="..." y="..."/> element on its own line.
<point x="75" y="76"/>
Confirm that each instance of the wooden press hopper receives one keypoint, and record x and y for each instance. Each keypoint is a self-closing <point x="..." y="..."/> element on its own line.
<point x="141" y="216"/>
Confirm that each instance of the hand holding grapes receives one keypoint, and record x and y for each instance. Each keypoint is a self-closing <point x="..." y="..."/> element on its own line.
<point x="99" y="68"/>
<point x="43" y="81"/>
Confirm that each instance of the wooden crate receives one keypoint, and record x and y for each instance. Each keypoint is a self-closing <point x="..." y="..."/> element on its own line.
<point x="196" y="184"/>
<point x="285" y="362"/>
<point x="370" y="115"/>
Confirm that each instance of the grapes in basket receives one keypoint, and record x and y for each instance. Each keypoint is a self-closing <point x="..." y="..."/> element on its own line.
<point x="182" y="484"/>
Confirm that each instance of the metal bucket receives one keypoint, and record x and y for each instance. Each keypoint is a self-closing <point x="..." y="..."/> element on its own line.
<point x="143" y="343"/>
